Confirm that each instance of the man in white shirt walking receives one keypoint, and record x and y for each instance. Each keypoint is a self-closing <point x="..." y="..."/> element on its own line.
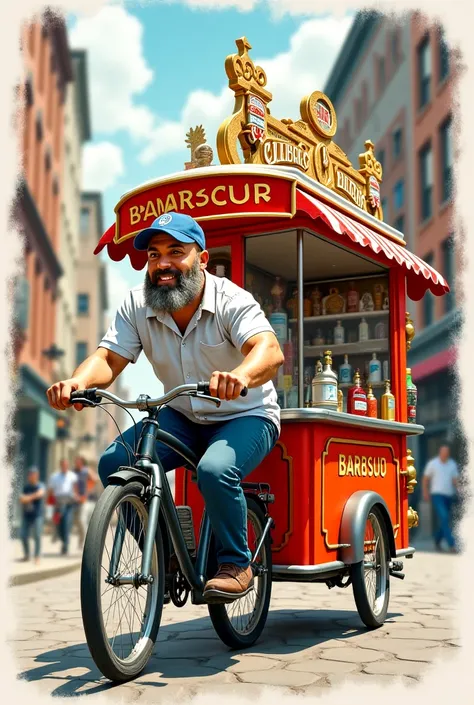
<point x="440" y="479"/>
<point x="63" y="486"/>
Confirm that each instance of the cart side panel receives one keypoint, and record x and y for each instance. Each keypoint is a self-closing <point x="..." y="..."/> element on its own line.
<point x="350" y="460"/>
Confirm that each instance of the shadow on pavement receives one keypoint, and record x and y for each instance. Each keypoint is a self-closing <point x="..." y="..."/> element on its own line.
<point x="191" y="649"/>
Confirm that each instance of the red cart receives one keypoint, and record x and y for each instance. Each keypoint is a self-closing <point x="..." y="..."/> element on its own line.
<point x="288" y="217"/>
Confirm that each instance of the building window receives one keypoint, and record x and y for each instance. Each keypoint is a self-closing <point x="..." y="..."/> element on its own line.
<point x="397" y="138"/>
<point x="428" y="300"/>
<point x="398" y="195"/>
<point x="84" y="222"/>
<point x="82" y="304"/>
<point x="381" y="158"/>
<point x="81" y="352"/>
<point x="449" y="268"/>
<point x="443" y="58"/>
<point x="381" y="73"/>
<point x="424" y="72"/>
<point x="446" y="155"/>
<point x="426" y="182"/>
<point x="399" y="223"/>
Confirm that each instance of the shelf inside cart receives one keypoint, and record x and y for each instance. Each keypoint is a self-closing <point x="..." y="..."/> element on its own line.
<point x="359" y="315"/>
<point x="367" y="346"/>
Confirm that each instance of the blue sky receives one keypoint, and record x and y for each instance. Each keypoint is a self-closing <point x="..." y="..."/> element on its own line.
<point x="157" y="69"/>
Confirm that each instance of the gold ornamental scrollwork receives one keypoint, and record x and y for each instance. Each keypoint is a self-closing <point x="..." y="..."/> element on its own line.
<point x="412" y="517"/>
<point x="410" y="472"/>
<point x="306" y="144"/>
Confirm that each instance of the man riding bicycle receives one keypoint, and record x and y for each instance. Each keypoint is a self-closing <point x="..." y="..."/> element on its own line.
<point x="193" y="326"/>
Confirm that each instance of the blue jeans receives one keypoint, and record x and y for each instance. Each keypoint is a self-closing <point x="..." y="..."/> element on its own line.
<point x="442" y="506"/>
<point x="65" y="523"/>
<point x="31" y="521"/>
<point x="228" y="452"/>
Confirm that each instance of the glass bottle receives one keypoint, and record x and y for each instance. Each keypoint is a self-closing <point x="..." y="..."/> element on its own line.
<point x="371" y="403"/>
<point x="352" y="299"/>
<point x="412" y="394"/>
<point x="357" y="398"/>
<point x="345" y="371"/>
<point x="325" y="384"/>
<point x="363" y="330"/>
<point x="375" y="369"/>
<point x="388" y="403"/>
<point x="339" y="334"/>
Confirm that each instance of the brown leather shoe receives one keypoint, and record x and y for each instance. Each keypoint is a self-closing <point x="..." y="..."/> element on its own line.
<point x="230" y="583"/>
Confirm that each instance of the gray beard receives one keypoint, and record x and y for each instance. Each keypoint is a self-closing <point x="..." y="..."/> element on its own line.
<point x="170" y="299"/>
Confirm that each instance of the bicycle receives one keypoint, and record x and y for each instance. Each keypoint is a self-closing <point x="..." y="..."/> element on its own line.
<point x="139" y="545"/>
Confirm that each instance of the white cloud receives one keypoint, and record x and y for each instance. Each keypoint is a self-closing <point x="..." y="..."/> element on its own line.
<point x="117" y="70"/>
<point x="102" y="166"/>
<point x="291" y="75"/>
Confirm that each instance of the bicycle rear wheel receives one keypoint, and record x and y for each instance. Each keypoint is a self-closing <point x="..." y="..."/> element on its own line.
<point x="121" y="622"/>
<point x="240" y="623"/>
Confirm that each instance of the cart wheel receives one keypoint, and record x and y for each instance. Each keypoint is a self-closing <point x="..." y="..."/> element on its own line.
<point x="371" y="577"/>
<point x="240" y="623"/>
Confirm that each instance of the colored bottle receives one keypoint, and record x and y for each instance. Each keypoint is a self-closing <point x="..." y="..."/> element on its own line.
<point x="352" y="299"/>
<point x="357" y="398"/>
<point x="363" y="330"/>
<point x="317" y="302"/>
<point x="340" y="400"/>
<point x="307" y="306"/>
<point x="412" y="394"/>
<point x="388" y="403"/>
<point x="345" y="371"/>
<point x="338" y="334"/>
<point x="375" y="369"/>
<point x="371" y="403"/>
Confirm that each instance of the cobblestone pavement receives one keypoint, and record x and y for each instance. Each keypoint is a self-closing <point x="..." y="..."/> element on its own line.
<point x="313" y="640"/>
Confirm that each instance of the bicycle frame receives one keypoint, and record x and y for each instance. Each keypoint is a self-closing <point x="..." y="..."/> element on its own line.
<point x="161" y="497"/>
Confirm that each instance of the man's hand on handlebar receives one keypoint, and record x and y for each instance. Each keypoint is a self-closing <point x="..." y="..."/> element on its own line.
<point x="60" y="392"/>
<point x="227" y="385"/>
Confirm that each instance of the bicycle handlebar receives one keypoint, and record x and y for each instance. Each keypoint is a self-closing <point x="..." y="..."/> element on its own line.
<point x="92" y="397"/>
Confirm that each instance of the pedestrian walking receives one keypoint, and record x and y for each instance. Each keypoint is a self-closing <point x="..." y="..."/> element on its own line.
<point x="32" y="500"/>
<point x="86" y="482"/>
<point x="440" y="480"/>
<point x="63" y="485"/>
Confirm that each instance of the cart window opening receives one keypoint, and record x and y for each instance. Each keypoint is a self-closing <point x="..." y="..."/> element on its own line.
<point x="345" y="305"/>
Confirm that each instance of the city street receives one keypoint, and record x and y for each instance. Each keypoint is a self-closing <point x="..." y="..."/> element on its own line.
<point x="313" y="640"/>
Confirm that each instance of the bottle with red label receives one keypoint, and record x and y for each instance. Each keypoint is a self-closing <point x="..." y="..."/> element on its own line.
<point x="357" y="398"/>
<point x="352" y="299"/>
<point x="411" y="398"/>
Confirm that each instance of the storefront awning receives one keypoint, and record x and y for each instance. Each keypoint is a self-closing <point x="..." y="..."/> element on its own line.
<point x="420" y="276"/>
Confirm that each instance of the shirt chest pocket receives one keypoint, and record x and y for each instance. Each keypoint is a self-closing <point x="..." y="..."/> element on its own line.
<point x="222" y="357"/>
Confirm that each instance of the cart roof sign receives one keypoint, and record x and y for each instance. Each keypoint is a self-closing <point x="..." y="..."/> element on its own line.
<point x="305" y="143"/>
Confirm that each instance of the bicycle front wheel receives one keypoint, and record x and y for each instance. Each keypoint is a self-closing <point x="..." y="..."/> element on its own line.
<point x="121" y="622"/>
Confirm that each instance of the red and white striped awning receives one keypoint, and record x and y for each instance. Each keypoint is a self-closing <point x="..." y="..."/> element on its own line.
<point x="420" y="276"/>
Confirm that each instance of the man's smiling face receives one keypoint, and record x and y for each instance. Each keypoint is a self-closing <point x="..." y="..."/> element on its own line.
<point x="174" y="274"/>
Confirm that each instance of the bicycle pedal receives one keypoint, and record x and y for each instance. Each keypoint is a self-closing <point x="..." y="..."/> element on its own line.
<point x="185" y="516"/>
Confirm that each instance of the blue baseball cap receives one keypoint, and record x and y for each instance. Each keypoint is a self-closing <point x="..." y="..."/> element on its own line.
<point x="181" y="227"/>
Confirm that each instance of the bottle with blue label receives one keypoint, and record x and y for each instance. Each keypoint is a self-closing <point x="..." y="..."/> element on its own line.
<point x="345" y="371"/>
<point x="375" y="369"/>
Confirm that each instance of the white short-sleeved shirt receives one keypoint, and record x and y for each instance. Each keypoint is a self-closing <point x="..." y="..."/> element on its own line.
<point x="442" y="476"/>
<point x="62" y="484"/>
<point x="227" y="317"/>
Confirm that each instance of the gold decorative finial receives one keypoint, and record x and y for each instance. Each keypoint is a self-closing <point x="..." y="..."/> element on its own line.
<point x="409" y="329"/>
<point x="201" y="153"/>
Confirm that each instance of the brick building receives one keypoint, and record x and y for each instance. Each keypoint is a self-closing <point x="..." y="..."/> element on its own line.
<point x="393" y="83"/>
<point x="47" y="72"/>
